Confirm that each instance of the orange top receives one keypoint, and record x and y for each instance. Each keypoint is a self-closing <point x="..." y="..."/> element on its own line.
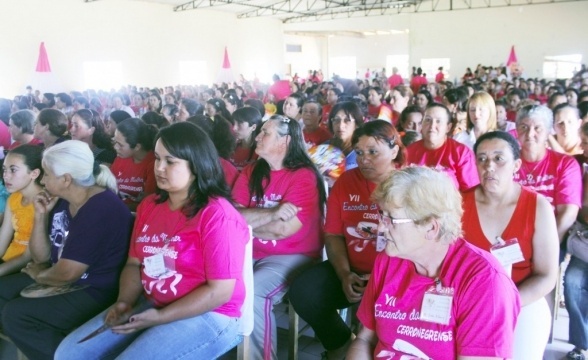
<point x="22" y="222"/>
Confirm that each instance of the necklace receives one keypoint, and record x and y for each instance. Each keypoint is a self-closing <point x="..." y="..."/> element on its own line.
<point x="528" y="170"/>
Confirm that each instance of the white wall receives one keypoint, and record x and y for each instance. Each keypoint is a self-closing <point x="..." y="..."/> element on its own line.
<point x="370" y="51"/>
<point x="311" y="57"/>
<point x="467" y="37"/>
<point x="149" y="39"/>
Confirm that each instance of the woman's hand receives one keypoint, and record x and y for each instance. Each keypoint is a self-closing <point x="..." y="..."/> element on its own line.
<point x="140" y="321"/>
<point x="118" y="313"/>
<point x="353" y="287"/>
<point x="44" y="202"/>
<point x="285" y="212"/>
<point x="32" y="269"/>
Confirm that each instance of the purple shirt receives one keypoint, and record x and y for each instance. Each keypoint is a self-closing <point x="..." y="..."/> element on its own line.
<point x="97" y="236"/>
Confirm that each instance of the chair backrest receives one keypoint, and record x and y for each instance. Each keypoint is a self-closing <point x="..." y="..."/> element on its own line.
<point x="246" y="323"/>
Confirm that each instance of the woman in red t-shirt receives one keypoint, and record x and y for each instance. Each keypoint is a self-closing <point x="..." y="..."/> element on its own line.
<point x="248" y="121"/>
<point x="499" y="212"/>
<point x="133" y="166"/>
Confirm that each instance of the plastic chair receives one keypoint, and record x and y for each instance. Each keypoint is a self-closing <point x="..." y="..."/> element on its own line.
<point x="294" y="332"/>
<point x="246" y="323"/>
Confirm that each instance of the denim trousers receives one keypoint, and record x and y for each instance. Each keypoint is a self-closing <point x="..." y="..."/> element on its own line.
<point x="206" y="336"/>
<point x="576" y="295"/>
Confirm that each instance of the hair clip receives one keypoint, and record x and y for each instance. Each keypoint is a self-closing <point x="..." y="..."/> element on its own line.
<point x="286" y="119"/>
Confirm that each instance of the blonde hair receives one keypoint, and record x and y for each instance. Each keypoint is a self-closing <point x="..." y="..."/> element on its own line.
<point x="75" y="158"/>
<point x="425" y="194"/>
<point x="484" y="99"/>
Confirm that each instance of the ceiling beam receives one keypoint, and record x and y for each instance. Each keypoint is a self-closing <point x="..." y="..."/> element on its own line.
<point x="292" y="11"/>
<point x="387" y="7"/>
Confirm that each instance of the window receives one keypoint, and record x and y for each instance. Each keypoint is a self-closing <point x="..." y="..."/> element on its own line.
<point x="431" y="66"/>
<point x="194" y="72"/>
<point x="293" y="48"/>
<point x="561" y="66"/>
<point x="344" y="66"/>
<point x="103" y="75"/>
<point x="398" y="61"/>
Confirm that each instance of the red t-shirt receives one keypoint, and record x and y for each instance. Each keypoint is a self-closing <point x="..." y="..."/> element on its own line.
<point x="439" y="77"/>
<point x="521" y="226"/>
<point x="417" y="82"/>
<point x="298" y="187"/>
<point x="382" y="112"/>
<point x="240" y="157"/>
<point x="349" y="211"/>
<point x="208" y="246"/>
<point x="35" y="141"/>
<point x="511" y="115"/>
<point x="483" y="312"/>
<point x="325" y="116"/>
<point x="454" y="158"/>
<point x="317" y="137"/>
<point x="231" y="172"/>
<point x="134" y="178"/>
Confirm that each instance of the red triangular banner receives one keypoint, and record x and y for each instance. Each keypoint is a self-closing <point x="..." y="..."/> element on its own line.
<point x="43" y="61"/>
<point x="512" y="58"/>
<point x="226" y="62"/>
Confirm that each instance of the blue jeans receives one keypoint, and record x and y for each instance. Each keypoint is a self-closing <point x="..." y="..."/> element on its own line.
<point x="206" y="336"/>
<point x="576" y="295"/>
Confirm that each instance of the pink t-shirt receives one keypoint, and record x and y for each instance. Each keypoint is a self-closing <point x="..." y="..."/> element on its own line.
<point x="454" y="158"/>
<point x="5" y="138"/>
<point x="297" y="187"/>
<point x="280" y="90"/>
<point x="483" y="314"/>
<point x="134" y="178"/>
<point x="349" y="209"/>
<point x="557" y="176"/>
<point x="209" y="246"/>
<point x="231" y="172"/>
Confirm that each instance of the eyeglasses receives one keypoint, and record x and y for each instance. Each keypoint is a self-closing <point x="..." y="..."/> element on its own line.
<point x="389" y="220"/>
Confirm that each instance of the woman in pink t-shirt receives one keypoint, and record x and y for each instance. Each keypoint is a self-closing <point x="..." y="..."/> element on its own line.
<point x="282" y="197"/>
<point x="431" y="294"/>
<point x="501" y="212"/>
<point x="554" y="175"/>
<point x="182" y="289"/>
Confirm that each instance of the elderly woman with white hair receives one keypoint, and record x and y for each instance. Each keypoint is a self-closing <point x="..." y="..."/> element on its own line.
<point x="556" y="176"/>
<point x="431" y="294"/>
<point x="78" y="247"/>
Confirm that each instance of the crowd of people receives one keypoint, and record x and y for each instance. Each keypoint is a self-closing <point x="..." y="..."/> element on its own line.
<point x="443" y="211"/>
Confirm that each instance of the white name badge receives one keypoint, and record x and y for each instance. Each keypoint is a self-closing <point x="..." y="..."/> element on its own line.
<point x="508" y="252"/>
<point x="436" y="307"/>
<point x="154" y="265"/>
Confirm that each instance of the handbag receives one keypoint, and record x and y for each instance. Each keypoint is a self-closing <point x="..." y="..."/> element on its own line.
<point x="578" y="241"/>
